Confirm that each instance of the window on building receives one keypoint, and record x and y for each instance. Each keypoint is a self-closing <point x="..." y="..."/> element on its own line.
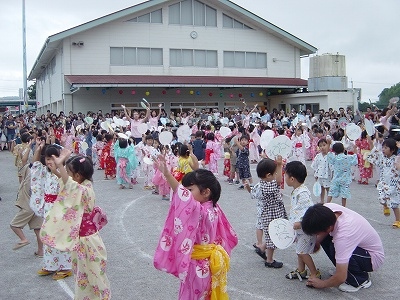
<point x="248" y="60"/>
<point x="228" y="22"/>
<point x="192" y="12"/>
<point x="152" y="17"/>
<point x="193" y="58"/>
<point x="128" y="56"/>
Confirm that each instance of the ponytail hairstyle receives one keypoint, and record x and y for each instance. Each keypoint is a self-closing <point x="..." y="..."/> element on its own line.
<point x="81" y="165"/>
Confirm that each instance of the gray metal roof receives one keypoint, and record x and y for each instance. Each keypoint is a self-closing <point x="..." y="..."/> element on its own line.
<point x="52" y="43"/>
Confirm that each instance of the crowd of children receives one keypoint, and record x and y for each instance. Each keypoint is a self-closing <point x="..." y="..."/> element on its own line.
<point x="186" y="172"/>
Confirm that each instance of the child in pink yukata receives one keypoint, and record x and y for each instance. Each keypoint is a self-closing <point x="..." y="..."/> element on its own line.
<point x="197" y="238"/>
<point x="213" y="152"/>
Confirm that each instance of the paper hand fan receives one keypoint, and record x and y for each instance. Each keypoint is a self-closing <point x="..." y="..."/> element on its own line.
<point x="317" y="189"/>
<point x="165" y="137"/>
<point x="281" y="233"/>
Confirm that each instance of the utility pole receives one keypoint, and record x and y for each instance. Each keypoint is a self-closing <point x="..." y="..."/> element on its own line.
<point x="25" y="91"/>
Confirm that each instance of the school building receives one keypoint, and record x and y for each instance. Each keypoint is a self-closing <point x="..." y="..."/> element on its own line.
<point x="202" y="54"/>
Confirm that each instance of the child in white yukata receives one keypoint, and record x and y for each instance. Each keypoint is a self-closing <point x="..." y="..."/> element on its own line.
<point x="341" y="165"/>
<point x="389" y="179"/>
<point x="322" y="170"/>
<point x="295" y="175"/>
<point x="300" y="142"/>
<point x="45" y="188"/>
<point x="148" y="171"/>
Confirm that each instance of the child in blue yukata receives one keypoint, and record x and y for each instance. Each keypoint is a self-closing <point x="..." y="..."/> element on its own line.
<point x="341" y="165"/>
<point x="295" y="175"/>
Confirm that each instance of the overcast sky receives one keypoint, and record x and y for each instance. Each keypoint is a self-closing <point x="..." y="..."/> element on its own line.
<point x="366" y="32"/>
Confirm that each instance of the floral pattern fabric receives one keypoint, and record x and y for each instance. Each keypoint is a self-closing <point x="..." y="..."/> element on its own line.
<point x="61" y="230"/>
<point x="44" y="182"/>
<point x="190" y="223"/>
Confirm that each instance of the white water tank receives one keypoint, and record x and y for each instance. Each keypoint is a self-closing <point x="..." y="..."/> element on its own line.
<point x="327" y="64"/>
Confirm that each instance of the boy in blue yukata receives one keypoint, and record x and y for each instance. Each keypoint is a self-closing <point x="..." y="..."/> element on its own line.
<point x="342" y="177"/>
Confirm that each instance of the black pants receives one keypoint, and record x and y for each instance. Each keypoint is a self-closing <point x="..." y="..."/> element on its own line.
<point x="359" y="263"/>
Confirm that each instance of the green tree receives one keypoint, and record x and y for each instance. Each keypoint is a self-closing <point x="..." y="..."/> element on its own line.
<point x="387" y="94"/>
<point x="32" y="91"/>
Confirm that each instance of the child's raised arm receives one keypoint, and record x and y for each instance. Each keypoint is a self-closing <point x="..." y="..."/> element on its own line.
<point x="59" y="169"/>
<point x="279" y="166"/>
<point x="194" y="163"/>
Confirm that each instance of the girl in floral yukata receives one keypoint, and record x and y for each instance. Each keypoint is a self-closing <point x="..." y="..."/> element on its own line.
<point x="213" y="152"/>
<point x="197" y="238"/>
<point x="73" y="224"/>
<point x="389" y="179"/>
<point x="44" y="188"/>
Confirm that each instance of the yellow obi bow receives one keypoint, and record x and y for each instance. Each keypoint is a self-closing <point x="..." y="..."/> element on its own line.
<point x="364" y="154"/>
<point x="219" y="266"/>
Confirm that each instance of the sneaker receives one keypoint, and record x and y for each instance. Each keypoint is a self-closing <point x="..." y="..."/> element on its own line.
<point x="386" y="211"/>
<point x="230" y="181"/>
<point x="241" y="187"/>
<point x="275" y="264"/>
<point x="237" y="182"/>
<point x="296" y="274"/>
<point x="345" y="287"/>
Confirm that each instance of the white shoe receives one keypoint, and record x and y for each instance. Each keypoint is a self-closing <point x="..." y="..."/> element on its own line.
<point x="344" y="287"/>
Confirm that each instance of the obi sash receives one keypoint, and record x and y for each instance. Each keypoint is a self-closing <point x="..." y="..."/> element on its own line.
<point x="219" y="266"/>
<point x="364" y="154"/>
<point x="208" y="155"/>
<point x="92" y="222"/>
<point x="298" y="145"/>
<point x="49" y="198"/>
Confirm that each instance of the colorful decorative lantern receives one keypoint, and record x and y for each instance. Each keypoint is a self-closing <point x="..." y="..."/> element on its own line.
<point x="240" y="95"/>
<point x="103" y="91"/>
<point x="147" y="93"/>
<point x="191" y="92"/>
<point x="252" y="95"/>
<point x="120" y="92"/>
<point x="164" y="92"/>
<point x="261" y="94"/>
<point x="133" y="92"/>
<point x="198" y="93"/>
<point x="221" y="94"/>
<point x="178" y="91"/>
<point x="210" y="94"/>
<point x="231" y="95"/>
<point x="279" y="91"/>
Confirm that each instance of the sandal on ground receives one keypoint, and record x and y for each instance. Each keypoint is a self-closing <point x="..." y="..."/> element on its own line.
<point x="154" y="192"/>
<point x="121" y="187"/>
<point x="386" y="211"/>
<point x="396" y="224"/>
<point x="37" y="254"/>
<point x="44" y="272"/>
<point x="296" y="274"/>
<point x="275" y="264"/>
<point x="260" y="253"/>
<point x="62" y="274"/>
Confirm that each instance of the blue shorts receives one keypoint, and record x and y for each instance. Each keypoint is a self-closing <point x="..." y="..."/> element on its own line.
<point x="339" y="189"/>
<point x="10" y="137"/>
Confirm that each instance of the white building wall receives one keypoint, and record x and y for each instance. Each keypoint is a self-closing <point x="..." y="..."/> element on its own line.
<point x="325" y="100"/>
<point x="94" y="56"/>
